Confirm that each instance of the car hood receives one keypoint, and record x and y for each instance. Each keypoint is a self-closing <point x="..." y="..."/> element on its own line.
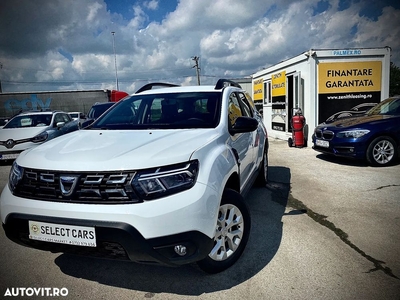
<point x="105" y="150"/>
<point x="357" y="121"/>
<point x="20" y="133"/>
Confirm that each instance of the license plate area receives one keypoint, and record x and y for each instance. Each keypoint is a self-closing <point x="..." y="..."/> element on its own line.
<point x="322" y="143"/>
<point x="62" y="234"/>
<point x="8" y="156"/>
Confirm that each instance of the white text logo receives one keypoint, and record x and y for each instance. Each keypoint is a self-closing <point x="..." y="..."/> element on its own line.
<point x="36" y="291"/>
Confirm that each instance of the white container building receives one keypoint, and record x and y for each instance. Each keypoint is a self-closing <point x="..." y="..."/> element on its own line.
<point x="324" y="84"/>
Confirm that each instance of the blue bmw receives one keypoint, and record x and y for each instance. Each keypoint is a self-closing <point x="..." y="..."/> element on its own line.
<point x="374" y="136"/>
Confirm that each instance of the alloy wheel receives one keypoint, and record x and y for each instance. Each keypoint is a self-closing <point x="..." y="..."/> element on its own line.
<point x="229" y="232"/>
<point x="383" y="152"/>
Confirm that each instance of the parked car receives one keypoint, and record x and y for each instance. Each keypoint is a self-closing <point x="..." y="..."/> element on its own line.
<point x="374" y="136"/>
<point x="96" y="111"/>
<point x="31" y="128"/>
<point x="78" y="116"/>
<point x="360" y="109"/>
<point x="158" y="178"/>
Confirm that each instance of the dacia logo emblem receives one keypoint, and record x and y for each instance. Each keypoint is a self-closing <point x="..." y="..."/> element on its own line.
<point x="10" y="144"/>
<point x="67" y="184"/>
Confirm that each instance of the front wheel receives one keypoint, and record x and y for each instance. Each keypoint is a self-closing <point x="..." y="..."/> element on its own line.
<point x="231" y="233"/>
<point x="382" y="151"/>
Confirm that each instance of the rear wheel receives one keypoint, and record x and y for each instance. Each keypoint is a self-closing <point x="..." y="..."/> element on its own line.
<point x="231" y="233"/>
<point x="382" y="151"/>
<point x="262" y="177"/>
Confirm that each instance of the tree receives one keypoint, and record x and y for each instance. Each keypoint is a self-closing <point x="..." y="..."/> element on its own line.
<point x="394" y="82"/>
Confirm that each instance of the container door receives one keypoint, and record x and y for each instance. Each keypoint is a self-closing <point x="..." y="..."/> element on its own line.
<point x="294" y="96"/>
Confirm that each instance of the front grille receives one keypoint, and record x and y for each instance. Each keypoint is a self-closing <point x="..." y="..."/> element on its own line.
<point x="73" y="187"/>
<point x="324" y="134"/>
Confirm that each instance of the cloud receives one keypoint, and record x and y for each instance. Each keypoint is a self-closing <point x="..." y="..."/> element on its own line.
<point x="93" y="9"/>
<point x="152" y="5"/>
<point x="370" y="33"/>
<point x="56" y="44"/>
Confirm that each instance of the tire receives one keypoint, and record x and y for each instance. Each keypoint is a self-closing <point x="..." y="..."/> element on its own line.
<point x="231" y="235"/>
<point x="290" y="142"/>
<point x="382" y="151"/>
<point x="262" y="177"/>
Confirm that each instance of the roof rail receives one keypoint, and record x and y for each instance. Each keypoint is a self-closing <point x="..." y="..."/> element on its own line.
<point x="150" y="86"/>
<point x="221" y="83"/>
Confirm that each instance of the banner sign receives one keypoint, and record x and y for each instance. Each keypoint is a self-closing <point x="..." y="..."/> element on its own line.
<point x="279" y="84"/>
<point x="347" y="77"/>
<point x="258" y="88"/>
<point x="343" y="86"/>
<point x="278" y="120"/>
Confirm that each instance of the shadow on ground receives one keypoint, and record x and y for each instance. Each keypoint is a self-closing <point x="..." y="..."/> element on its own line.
<point x="342" y="160"/>
<point x="267" y="206"/>
<point x="348" y="161"/>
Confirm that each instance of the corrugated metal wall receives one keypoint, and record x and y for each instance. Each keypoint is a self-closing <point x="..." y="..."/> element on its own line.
<point x="12" y="103"/>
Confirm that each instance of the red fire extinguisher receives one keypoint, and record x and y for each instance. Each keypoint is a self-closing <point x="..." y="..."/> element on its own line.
<point x="297" y="122"/>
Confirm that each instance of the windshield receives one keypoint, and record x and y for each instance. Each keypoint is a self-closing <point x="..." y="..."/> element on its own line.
<point x="389" y="106"/>
<point x="29" y="121"/>
<point x="171" y="110"/>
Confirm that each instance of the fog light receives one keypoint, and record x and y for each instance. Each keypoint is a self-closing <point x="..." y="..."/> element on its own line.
<point x="180" y="250"/>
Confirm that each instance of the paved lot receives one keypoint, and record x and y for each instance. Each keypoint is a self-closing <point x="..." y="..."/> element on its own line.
<point x="323" y="229"/>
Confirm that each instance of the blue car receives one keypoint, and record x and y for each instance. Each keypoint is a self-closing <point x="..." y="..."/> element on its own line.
<point x="374" y="136"/>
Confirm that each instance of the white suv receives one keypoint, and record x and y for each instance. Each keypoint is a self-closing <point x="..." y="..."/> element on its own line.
<point x="160" y="177"/>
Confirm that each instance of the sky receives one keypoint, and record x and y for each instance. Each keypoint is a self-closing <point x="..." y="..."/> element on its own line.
<point x="49" y="45"/>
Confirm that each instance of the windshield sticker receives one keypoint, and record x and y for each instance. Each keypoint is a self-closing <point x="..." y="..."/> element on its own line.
<point x="26" y="122"/>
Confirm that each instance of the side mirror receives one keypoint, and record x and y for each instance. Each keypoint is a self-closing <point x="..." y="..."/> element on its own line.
<point x="244" y="124"/>
<point x="60" y="124"/>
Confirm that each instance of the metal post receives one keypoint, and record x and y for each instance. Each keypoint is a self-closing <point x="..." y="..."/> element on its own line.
<point x="115" y="61"/>
<point x="196" y="59"/>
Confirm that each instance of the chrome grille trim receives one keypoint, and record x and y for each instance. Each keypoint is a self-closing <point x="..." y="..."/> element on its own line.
<point x="31" y="175"/>
<point x="324" y="134"/>
<point x="114" y="179"/>
<point x="47" y="177"/>
<point x="93" y="179"/>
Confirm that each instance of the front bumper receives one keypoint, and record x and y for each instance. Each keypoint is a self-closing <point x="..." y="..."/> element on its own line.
<point x="344" y="148"/>
<point x="115" y="240"/>
<point x="141" y="232"/>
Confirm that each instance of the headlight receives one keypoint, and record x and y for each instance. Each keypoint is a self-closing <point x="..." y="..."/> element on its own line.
<point x="160" y="182"/>
<point x="41" y="137"/>
<point x="16" y="174"/>
<point x="357" y="133"/>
